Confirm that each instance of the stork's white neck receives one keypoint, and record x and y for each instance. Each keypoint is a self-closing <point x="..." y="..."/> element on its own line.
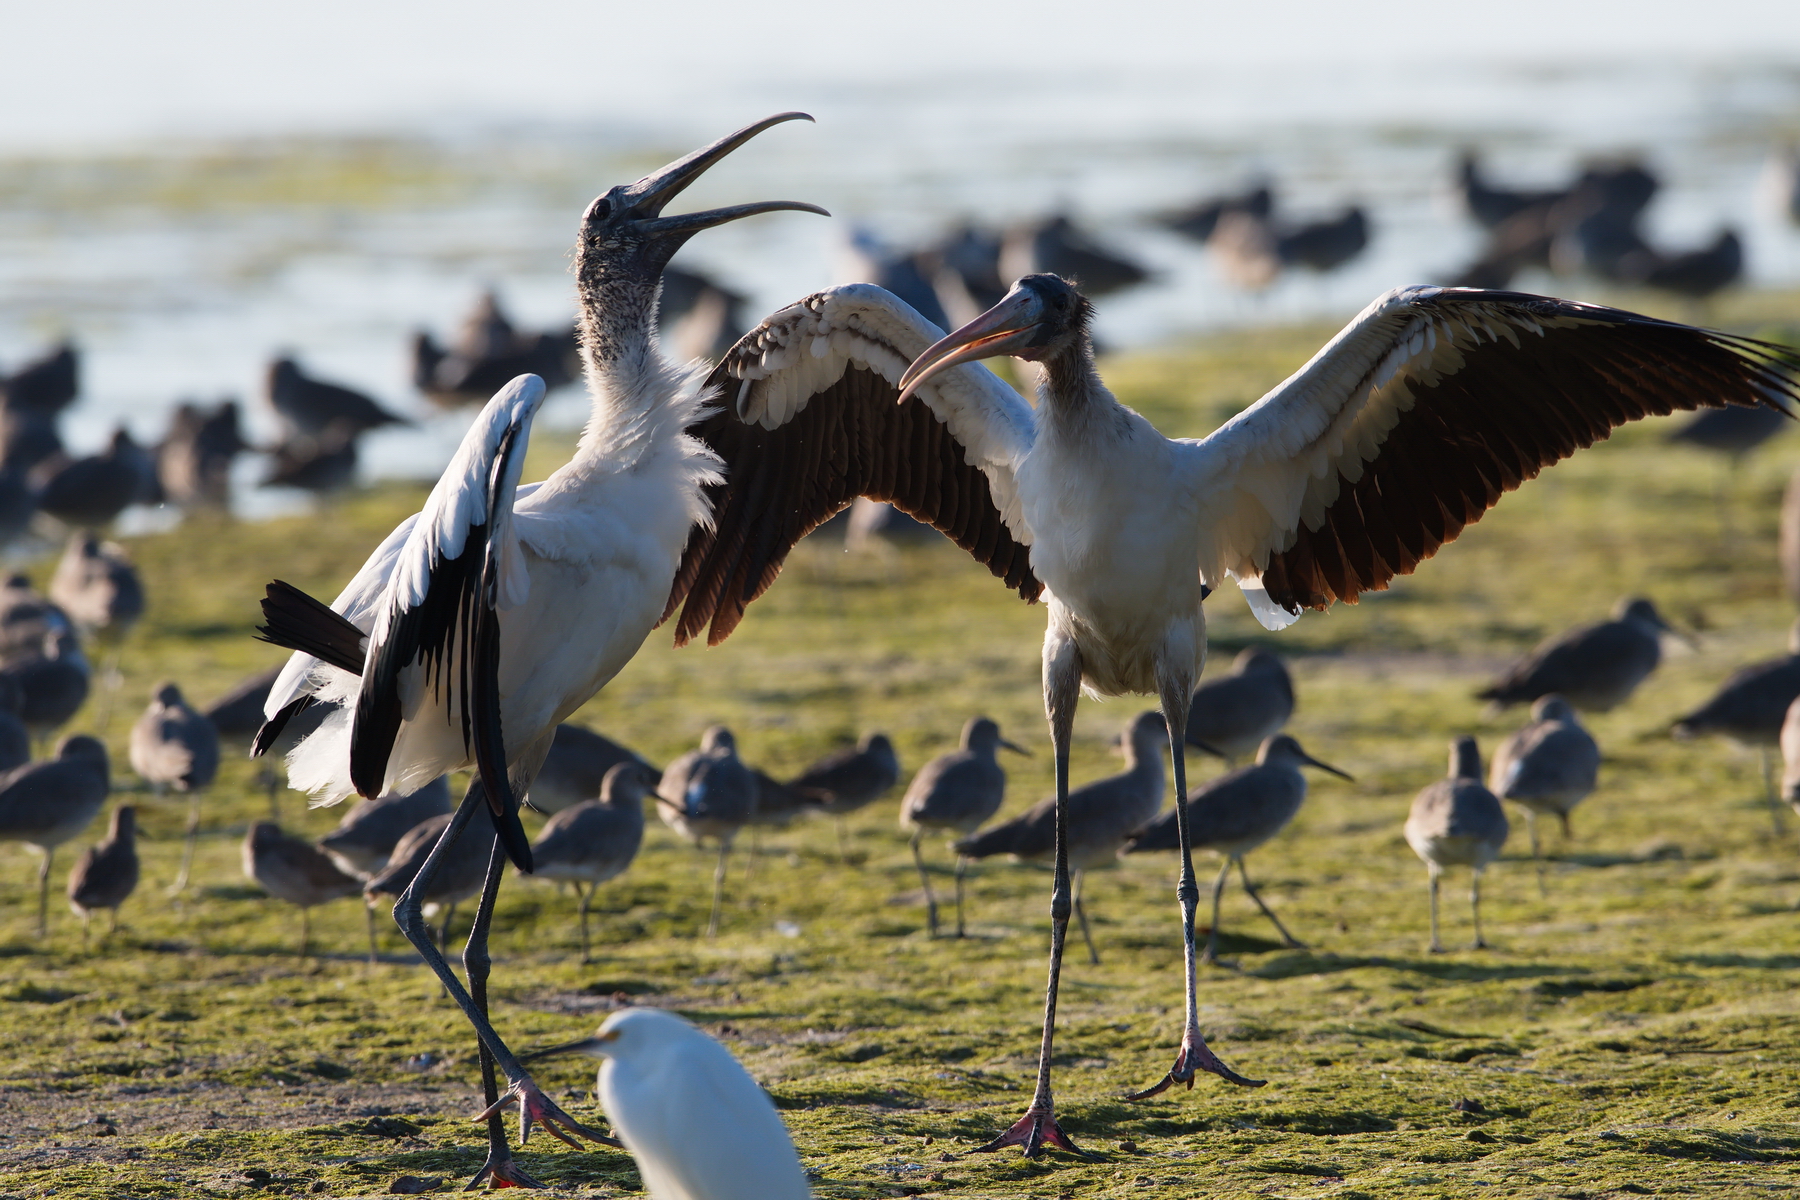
<point x="636" y="393"/>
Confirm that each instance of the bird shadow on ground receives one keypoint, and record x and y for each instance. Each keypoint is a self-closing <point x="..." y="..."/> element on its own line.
<point x="1306" y="962"/>
<point x="1759" y="962"/>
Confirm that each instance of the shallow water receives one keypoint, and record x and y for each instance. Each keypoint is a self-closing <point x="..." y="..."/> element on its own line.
<point x="182" y="266"/>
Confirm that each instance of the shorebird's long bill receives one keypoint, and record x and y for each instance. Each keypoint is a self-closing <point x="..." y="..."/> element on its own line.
<point x="645" y="199"/>
<point x="1006" y="328"/>
<point x="1014" y="747"/>
<point x="1310" y="761"/>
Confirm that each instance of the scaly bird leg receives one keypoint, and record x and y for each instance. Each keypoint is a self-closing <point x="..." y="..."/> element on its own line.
<point x="930" y="900"/>
<point x="1062" y="686"/>
<point x="534" y="1106"/>
<point x="1194" y="1054"/>
<point x="1293" y="942"/>
<point x="500" y="1166"/>
<point x="1081" y="916"/>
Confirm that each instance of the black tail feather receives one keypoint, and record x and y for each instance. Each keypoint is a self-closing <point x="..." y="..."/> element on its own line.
<point x="507" y="827"/>
<point x="296" y="621"/>
<point x="271" y="728"/>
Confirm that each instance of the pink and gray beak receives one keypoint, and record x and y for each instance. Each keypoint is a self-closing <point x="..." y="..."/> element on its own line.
<point x="645" y="199"/>
<point x="1006" y="328"/>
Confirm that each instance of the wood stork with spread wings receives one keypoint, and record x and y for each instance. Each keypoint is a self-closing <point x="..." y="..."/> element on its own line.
<point x="1405" y="428"/>
<point x="489" y="617"/>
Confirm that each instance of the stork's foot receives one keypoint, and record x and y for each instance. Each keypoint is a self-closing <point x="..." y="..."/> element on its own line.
<point x="1032" y="1132"/>
<point x="535" y="1108"/>
<point x="501" y="1171"/>
<point x="1194" y="1056"/>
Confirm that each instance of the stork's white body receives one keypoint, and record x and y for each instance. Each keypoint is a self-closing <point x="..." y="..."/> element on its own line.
<point x="591" y="550"/>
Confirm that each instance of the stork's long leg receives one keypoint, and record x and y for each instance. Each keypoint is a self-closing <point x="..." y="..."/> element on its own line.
<point x="500" y="1166"/>
<point x="1293" y="942"/>
<point x="1062" y="687"/>
<point x="931" y="900"/>
<point x="1194" y="1054"/>
<point x="409" y="914"/>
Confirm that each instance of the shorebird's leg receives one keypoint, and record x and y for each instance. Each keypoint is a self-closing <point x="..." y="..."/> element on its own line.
<point x="1774" y="800"/>
<point x="534" y="1106"/>
<point x="1475" y="907"/>
<point x="843" y="834"/>
<point x="962" y="866"/>
<point x="1081" y="915"/>
<point x="586" y="897"/>
<point x="1537" y="855"/>
<point x="499" y="1167"/>
<point x="1212" y="931"/>
<point x="374" y="946"/>
<point x="1177" y="691"/>
<point x="305" y="931"/>
<point x="187" y="845"/>
<point x="43" y="925"/>
<point x="931" y="900"/>
<point x="1062" y="687"/>
<point x="1293" y="942"/>
<point x="444" y="933"/>
<point x="750" y="867"/>
<point x="712" y="923"/>
<point x="1437" y="946"/>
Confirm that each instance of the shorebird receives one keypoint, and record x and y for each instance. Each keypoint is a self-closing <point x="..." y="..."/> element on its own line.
<point x="92" y="491"/>
<point x="172" y="746"/>
<point x="1101" y="816"/>
<point x="1233" y="715"/>
<point x="1056" y="245"/>
<point x="519" y="603"/>
<point x="15" y="738"/>
<point x="487" y="352"/>
<point x="662" y="1080"/>
<point x="1233" y="815"/>
<point x="44" y="804"/>
<point x="26" y="618"/>
<point x="311" y="406"/>
<point x="1749" y="708"/>
<point x="193" y="461"/>
<point x="1456" y="822"/>
<point x="850" y="779"/>
<point x="709" y="793"/>
<point x="1593" y="667"/>
<point x="321" y="462"/>
<point x="1548" y="767"/>
<point x="101" y="591"/>
<point x="1790" y="756"/>
<point x="1199" y="221"/>
<point x="53" y="683"/>
<point x="107" y="873"/>
<point x="45" y="385"/>
<point x="458" y="872"/>
<point x="956" y="791"/>
<point x="296" y="871"/>
<point x="596" y="840"/>
<point x="1405" y="428"/>
<point x="366" y="835"/>
<point x="576" y="766"/>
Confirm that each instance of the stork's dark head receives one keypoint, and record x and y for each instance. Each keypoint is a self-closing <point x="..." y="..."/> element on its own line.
<point x="1043" y="317"/>
<point x="625" y="227"/>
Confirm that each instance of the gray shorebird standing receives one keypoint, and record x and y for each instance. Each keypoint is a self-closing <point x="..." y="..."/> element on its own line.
<point x="850" y="779"/>
<point x="172" y="746"/>
<point x="296" y="871"/>
<point x="100" y="589"/>
<point x="1456" y="822"/>
<point x="709" y="793"/>
<point x="1234" y="714"/>
<point x="576" y="766"/>
<point x="1102" y="816"/>
<point x="595" y="841"/>
<point x="53" y="682"/>
<point x="15" y="738"/>
<point x="368" y="833"/>
<point x="459" y="874"/>
<point x="956" y="791"/>
<point x="1593" y="667"/>
<point x="1749" y="708"/>
<point x="44" y="804"/>
<point x="1233" y="815"/>
<point x="1548" y="768"/>
<point x="107" y="873"/>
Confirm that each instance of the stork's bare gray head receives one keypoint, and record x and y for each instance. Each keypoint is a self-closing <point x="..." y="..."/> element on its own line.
<point x="1039" y="318"/>
<point x="628" y="219"/>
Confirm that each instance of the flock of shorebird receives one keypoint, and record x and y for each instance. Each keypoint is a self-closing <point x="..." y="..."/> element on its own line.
<point x="483" y="622"/>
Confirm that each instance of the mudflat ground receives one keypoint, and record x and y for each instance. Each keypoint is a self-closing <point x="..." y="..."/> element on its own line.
<point x="1632" y="1031"/>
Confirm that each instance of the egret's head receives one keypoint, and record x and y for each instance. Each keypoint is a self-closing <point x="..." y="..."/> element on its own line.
<point x="631" y="1032"/>
<point x="625" y="226"/>
<point x="1042" y="317"/>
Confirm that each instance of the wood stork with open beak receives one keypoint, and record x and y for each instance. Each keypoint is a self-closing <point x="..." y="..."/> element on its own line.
<point x="1405" y="428"/>
<point x="489" y="617"/>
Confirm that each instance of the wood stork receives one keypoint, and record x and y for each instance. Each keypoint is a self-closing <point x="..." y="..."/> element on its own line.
<point x="1405" y="428"/>
<point x="486" y="619"/>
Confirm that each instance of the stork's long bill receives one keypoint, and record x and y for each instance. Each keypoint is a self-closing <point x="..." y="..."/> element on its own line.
<point x="645" y="199"/>
<point x="1011" y="326"/>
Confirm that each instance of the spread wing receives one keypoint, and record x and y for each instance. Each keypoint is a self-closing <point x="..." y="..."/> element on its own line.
<point x="1428" y="407"/>
<point x="810" y="422"/>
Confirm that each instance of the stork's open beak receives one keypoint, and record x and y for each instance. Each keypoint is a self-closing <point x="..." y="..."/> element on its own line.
<point x="1006" y="328"/>
<point x="1310" y="761"/>
<point x="646" y="198"/>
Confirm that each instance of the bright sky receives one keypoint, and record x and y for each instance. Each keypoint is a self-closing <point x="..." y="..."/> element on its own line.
<point x="80" y="71"/>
